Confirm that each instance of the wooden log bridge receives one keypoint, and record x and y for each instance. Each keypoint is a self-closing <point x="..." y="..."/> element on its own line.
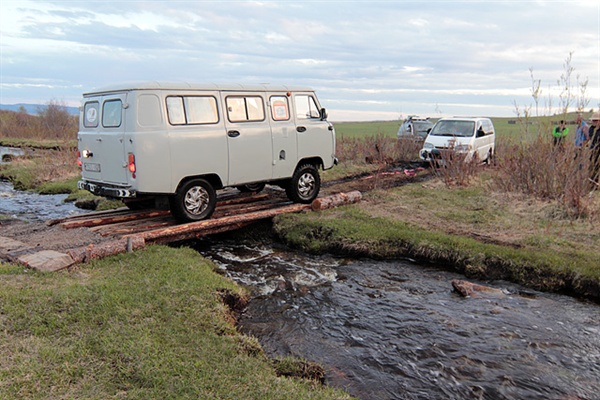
<point x="127" y="230"/>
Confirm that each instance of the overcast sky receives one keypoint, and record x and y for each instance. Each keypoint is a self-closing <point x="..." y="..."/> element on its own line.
<point x="366" y="59"/>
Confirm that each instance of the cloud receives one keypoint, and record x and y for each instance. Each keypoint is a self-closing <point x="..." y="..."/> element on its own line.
<point x="378" y="57"/>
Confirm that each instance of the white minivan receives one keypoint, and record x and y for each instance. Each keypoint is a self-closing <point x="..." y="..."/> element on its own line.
<point x="471" y="137"/>
<point x="176" y="144"/>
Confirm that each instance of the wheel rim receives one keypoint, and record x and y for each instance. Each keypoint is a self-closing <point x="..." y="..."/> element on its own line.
<point x="306" y="185"/>
<point x="196" y="200"/>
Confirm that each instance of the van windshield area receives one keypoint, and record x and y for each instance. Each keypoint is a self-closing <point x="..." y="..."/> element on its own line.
<point x="454" y="128"/>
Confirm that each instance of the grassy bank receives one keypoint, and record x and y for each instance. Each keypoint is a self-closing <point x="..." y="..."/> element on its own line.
<point x="146" y="325"/>
<point x="473" y="230"/>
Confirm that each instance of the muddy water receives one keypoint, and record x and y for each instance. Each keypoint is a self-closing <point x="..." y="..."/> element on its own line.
<point x="396" y="330"/>
<point x="32" y="206"/>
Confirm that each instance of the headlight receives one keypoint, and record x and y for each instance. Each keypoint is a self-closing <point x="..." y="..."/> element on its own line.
<point x="428" y="146"/>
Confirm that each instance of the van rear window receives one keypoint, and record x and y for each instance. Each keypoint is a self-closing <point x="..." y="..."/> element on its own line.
<point x="192" y="110"/>
<point x="91" y="111"/>
<point x="111" y="113"/>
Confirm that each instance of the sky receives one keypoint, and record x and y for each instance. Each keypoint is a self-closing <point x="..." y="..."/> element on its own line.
<point x="367" y="60"/>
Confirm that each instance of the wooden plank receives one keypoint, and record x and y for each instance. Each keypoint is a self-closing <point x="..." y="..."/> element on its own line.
<point x="177" y="231"/>
<point x="111" y="219"/>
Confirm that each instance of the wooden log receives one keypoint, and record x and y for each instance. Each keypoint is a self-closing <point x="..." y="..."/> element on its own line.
<point x="111" y="219"/>
<point x="93" y="251"/>
<point x="204" y="232"/>
<point x="180" y="230"/>
<point x="336" y="200"/>
<point x="93" y="214"/>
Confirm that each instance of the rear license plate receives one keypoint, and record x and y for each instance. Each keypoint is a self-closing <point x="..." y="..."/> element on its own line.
<point x="91" y="167"/>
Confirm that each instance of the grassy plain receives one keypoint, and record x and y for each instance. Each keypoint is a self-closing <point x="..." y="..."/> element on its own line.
<point x="145" y="325"/>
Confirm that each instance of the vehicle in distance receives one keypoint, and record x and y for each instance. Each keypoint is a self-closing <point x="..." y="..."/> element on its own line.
<point x="414" y="127"/>
<point x="469" y="137"/>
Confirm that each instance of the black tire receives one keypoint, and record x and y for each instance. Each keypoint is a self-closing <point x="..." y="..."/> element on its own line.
<point x="195" y="200"/>
<point x="305" y="184"/>
<point x="251" y="187"/>
<point x="490" y="158"/>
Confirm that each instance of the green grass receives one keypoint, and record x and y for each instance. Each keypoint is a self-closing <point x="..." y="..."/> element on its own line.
<point x="146" y="325"/>
<point x="485" y="238"/>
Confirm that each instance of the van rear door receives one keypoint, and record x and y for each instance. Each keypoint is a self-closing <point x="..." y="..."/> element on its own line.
<point x="248" y="137"/>
<point x="101" y="140"/>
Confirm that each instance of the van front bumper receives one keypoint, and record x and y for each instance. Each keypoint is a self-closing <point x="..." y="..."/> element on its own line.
<point x="106" y="191"/>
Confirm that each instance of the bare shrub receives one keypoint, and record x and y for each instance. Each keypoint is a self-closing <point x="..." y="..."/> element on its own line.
<point x="548" y="172"/>
<point x="455" y="169"/>
<point x="53" y="122"/>
<point x="377" y="149"/>
<point x="56" y="122"/>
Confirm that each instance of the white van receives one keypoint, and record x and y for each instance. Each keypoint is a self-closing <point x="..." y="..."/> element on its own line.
<point x="176" y="144"/>
<point x="473" y="137"/>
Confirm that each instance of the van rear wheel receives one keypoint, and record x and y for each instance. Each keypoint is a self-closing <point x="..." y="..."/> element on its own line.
<point x="305" y="184"/>
<point x="195" y="200"/>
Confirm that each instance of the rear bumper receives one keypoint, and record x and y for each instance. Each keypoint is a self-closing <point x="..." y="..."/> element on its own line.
<point x="106" y="191"/>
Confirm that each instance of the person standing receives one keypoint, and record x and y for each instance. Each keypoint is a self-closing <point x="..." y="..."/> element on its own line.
<point x="560" y="132"/>
<point x="594" y="137"/>
<point x="581" y="133"/>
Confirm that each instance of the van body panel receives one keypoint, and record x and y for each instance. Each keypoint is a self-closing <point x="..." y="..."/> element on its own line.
<point x="284" y="154"/>
<point x="196" y="149"/>
<point x="248" y="140"/>
<point x="314" y="136"/>
<point x="164" y="134"/>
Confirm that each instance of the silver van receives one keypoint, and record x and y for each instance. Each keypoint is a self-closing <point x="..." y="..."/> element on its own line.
<point x="176" y="144"/>
<point x="471" y="137"/>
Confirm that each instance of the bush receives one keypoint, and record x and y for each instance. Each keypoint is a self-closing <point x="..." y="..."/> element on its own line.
<point x="548" y="172"/>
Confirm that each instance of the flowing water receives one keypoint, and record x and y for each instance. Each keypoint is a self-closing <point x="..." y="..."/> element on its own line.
<point x="31" y="206"/>
<point x="396" y="330"/>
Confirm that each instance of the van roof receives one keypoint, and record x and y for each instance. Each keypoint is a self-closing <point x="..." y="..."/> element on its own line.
<point x="465" y="118"/>
<point x="160" y="85"/>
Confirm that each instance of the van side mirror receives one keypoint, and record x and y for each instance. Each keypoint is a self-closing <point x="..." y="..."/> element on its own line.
<point x="480" y="132"/>
<point x="323" y="114"/>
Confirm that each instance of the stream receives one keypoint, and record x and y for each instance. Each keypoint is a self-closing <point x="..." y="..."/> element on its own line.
<point x="396" y="330"/>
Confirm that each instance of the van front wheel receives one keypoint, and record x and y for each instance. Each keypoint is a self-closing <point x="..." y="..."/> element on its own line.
<point x="305" y="184"/>
<point x="195" y="200"/>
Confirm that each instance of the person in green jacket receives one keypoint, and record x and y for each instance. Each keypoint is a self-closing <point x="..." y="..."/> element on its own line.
<point x="560" y="132"/>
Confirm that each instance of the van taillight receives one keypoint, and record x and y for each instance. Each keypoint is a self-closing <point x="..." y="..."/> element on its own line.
<point x="131" y="163"/>
<point x="79" y="163"/>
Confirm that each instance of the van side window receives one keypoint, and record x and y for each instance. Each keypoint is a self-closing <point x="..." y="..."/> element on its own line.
<point x="91" y="112"/>
<point x="280" y="110"/>
<point x="111" y="113"/>
<point x="245" y="109"/>
<point x="306" y="107"/>
<point x="201" y="110"/>
<point x="192" y="110"/>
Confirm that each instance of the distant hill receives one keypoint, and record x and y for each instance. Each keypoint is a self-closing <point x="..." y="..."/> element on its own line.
<point x="34" y="109"/>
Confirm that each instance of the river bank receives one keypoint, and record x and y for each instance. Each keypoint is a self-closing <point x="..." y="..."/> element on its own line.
<point x="472" y="230"/>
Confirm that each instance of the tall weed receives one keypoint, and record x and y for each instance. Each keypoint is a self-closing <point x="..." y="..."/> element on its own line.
<point x="549" y="172"/>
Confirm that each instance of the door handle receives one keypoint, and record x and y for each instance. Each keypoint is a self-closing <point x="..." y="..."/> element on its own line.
<point x="301" y="129"/>
<point x="233" y="133"/>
